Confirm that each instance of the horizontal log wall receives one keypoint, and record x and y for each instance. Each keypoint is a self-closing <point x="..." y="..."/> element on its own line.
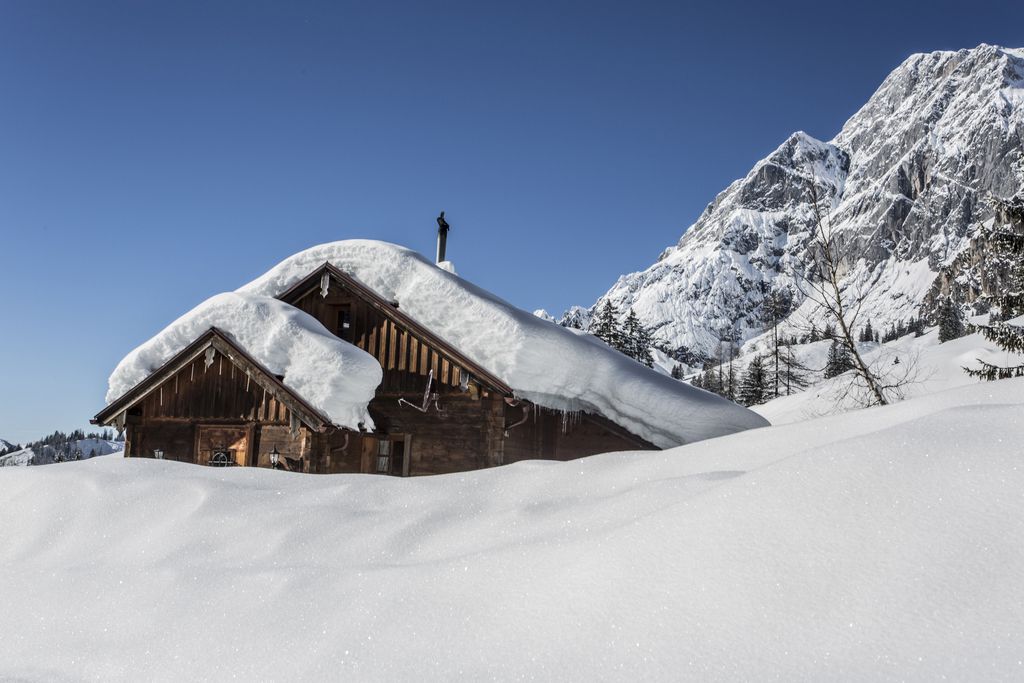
<point x="464" y="435"/>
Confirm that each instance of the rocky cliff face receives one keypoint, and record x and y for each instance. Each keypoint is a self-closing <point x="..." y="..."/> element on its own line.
<point x="904" y="187"/>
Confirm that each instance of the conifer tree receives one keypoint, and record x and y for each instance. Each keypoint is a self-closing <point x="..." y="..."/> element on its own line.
<point x="753" y="388"/>
<point x="606" y="326"/>
<point x="711" y="380"/>
<point x="951" y="321"/>
<point x="636" y="340"/>
<point x="839" y="360"/>
<point x="1008" y="240"/>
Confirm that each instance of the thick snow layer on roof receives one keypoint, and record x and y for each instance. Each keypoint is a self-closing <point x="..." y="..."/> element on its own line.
<point x="335" y="377"/>
<point x="543" y="362"/>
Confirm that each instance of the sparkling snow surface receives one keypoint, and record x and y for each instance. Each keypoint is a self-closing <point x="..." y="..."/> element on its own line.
<point x="541" y="361"/>
<point x="334" y="376"/>
<point x="884" y="544"/>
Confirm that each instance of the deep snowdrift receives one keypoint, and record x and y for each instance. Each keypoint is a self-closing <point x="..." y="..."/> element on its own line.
<point x="927" y="365"/>
<point x="334" y="376"/>
<point x="882" y="544"/>
<point x="541" y="361"/>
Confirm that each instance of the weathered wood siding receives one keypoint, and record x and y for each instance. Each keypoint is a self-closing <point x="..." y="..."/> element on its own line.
<point x="201" y="408"/>
<point x="405" y="358"/>
<point x="464" y="435"/>
<point x="552" y="435"/>
<point x="219" y="392"/>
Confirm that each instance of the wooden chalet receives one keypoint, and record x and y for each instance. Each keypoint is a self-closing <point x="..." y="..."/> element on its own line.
<point x="435" y="410"/>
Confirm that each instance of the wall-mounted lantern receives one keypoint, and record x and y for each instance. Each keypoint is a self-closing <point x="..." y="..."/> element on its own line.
<point x="275" y="457"/>
<point x="158" y="454"/>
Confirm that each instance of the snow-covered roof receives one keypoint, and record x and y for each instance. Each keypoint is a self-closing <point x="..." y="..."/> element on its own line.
<point x="543" y="362"/>
<point x="333" y="376"/>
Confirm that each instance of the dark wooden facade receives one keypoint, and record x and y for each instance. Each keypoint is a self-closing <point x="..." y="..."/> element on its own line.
<point x="435" y="410"/>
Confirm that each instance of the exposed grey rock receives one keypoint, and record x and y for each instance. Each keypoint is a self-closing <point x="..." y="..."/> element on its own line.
<point x="904" y="185"/>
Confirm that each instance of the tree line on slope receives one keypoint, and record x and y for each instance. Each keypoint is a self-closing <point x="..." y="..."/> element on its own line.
<point x="63" y="447"/>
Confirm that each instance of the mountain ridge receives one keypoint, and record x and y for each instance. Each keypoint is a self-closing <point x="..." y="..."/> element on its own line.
<point x="906" y="183"/>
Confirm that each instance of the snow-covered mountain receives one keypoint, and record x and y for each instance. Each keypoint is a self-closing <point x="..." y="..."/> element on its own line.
<point x="6" y="445"/>
<point x="905" y="185"/>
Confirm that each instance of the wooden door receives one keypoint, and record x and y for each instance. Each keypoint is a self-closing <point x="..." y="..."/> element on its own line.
<point x="386" y="455"/>
<point x="217" y="442"/>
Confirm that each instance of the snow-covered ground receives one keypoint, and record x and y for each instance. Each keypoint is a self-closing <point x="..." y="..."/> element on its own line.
<point x="926" y="365"/>
<point x="883" y="544"/>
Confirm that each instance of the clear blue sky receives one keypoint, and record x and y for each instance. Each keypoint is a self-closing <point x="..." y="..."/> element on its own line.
<point x="153" y="154"/>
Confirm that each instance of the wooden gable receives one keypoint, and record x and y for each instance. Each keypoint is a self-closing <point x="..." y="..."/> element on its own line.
<point x="407" y="351"/>
<point x="213" y="379"/>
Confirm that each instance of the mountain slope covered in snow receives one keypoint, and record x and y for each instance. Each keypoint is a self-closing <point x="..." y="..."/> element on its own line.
<point x="884" y="544"/>
<point x="905" y="184"/>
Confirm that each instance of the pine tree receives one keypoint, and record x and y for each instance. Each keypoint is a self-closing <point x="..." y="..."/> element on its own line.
<point x="636" y="340"/>
<point x="951" y="321"/>
<point x="606" y="326"/>
<point x="1008" y="241"/>
<point x="839" y="360"/>
<point x="711" y="379"/>
<point x="677" y="372"/>
<point x="753" y="388"/>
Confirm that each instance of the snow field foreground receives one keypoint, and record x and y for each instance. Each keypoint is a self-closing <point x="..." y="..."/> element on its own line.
<point x="883" y="544"/>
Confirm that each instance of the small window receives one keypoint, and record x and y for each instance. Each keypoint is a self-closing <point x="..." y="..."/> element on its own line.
<point x="345" y="323"/>
<point x="383" y="457"/>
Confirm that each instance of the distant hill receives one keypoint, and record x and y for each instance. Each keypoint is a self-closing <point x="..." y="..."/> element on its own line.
<point x="59" y="447"/>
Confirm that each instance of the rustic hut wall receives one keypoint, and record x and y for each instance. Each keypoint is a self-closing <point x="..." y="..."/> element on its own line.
<point x="463" y="435"/>
<point x="202" y="408"/>
<point x="297" y="447"/>
<point x="219" y="392"/>
<point x="405" y="359"/>
<point x="175" y="439"/>
<point x="338" y="451"/>
<point x="552" y="435"/>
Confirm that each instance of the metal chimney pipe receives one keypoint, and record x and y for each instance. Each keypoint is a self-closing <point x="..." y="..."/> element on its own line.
<point x="442" y="237"/>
